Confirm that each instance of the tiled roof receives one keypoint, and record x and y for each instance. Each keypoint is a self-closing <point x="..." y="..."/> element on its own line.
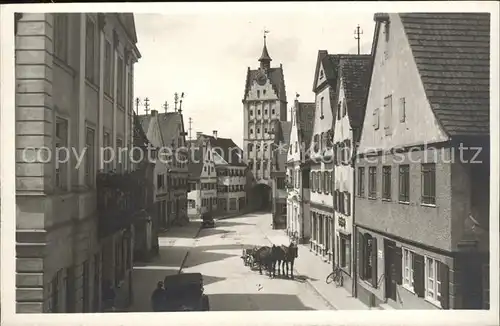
<point x="227" y="149"/>
<point x="305" y="115"/>
<point x="140" y="138"/>
<point x="276" y="78"/>
<point x="452" y="53"/>
<point x="356" y="76"/>
<point x="170" y="123"/>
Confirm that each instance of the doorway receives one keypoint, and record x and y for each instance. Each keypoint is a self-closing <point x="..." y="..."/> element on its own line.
<point x="390" y="269"/>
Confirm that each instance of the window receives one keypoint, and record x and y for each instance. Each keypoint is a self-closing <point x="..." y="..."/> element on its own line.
<point x="85" y="285"/>
<point x="108" y="69"/>
<point x="429" y="183"/>
<point x="273" y="111"/>
<point x="368" y="258"/>
<point x="120" y="81"/>
<point x="61" y="29"/>
<point x="361" y="181"/>
<point x="258" y="112"/>
<point x="61" y="142"/>
<point x="345" y="252"/>
<point x="344" y="109"/>
<point x="264" y="93"/>
<point x="258" y="93"/>
<point x="107" y="152"/>
<point x="376" y="119"/>
<point x="265" y="130"/>
<point x="432" y="281"/>
<point x="388" y="115"/>
<point x="404" y="183"/>
<point x="339" y="107"/>
<point x="251" y="131"/>
<point x="386" y="183"/>
<point x="90" y="51"/>
<point x="258" y="130"/>
<point x="408" y="269"/>
<point x="90" y="161"/>
<point x="54" y="293"/>
<point x="120" y="155"/>
<point x="347" y="203"/>
<point x="402" y="109"/>
<point x="159" y="181"/>
<point x="321" y="107"/>
<point x="372" y="182"/>
<point x="251" y="112"/>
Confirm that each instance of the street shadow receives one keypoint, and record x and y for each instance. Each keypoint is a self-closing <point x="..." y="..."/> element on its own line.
<point x="255" y="302"/>
<point x="226" y="247"/>
<point x="184" y="232"/>
<point x="200" y="257"/>
<point x="169" y="256"/>
<point x="227" y="223"/>
<point x="213" y="231"/>
<point x="208" y="279"/>
<point x="297" y="278"/>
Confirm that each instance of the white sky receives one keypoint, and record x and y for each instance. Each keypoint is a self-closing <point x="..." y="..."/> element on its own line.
<point x="207" y="55"/>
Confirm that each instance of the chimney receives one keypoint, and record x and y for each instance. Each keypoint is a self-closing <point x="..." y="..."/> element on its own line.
<point x="215" y="134"/>
<point x="198" y="134"/>
<point x="154" y="113"/>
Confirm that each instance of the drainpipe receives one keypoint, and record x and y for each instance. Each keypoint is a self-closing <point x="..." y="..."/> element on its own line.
<point x="354" y="255"/>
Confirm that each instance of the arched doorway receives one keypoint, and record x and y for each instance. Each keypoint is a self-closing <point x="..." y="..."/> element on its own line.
<point x="262" y="197"/>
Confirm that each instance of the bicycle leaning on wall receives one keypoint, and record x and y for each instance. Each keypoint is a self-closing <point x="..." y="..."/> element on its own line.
<point x="336" y="276"/>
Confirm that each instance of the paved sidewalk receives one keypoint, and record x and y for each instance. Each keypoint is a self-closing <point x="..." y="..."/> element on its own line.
<point x="175" y="244"/>
<point x="313" y="267"/>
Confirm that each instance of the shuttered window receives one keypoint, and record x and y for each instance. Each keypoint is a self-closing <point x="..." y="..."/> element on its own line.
<point x="372" y="182"/>
<point x="361" y="182"/>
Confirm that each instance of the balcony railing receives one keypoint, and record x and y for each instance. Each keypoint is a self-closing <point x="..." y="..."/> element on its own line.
<point x="120" y="199"/>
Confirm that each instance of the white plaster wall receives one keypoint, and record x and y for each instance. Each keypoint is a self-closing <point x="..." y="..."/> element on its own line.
<point x="398" y="75"/>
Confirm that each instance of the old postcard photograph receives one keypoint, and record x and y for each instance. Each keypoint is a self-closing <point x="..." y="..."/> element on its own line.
<point x="248" y="163"/>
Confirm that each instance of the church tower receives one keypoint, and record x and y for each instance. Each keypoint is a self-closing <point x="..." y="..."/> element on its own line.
<point x="264" y="105"/>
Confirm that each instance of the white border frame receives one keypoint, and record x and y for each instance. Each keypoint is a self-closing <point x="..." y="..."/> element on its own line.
<point x="7" y="156"/>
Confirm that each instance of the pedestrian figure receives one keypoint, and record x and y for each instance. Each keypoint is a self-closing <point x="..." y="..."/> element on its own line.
<point x="158" y="299"/>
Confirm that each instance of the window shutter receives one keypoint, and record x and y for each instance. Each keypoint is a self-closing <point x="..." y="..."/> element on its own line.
<point x="444" y="273"/>
<point x="398" y="261"/>
<point x="348" y="204"/>
<point x="418" y="275"/>
<point x="374" y="262"/>
<point x="335" y="199"/>
<point x="360" y="246"/>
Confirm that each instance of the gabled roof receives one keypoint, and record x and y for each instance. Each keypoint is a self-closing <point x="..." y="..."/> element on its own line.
<point x="355" y="71"/>
<point x="139" y="136"/>
<point x="195" y="156"/>
<point x="452" y="54"/>
<point x="305" y="121"/>
<point x="330" y="64"/>
<point x="227" y="149"/>
<point x="170" y="124"/>
<point x="275" y="76"/>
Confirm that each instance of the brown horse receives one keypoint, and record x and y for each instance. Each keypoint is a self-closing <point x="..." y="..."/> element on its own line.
<point x="263" y="257"/>
<point x="284" y="257"/>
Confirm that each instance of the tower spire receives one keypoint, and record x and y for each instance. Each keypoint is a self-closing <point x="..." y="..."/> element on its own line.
<point x="265" y="59"/>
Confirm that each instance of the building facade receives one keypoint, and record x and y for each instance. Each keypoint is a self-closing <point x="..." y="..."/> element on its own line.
<point x="298" y="187"/>
<point x="321" y="157"/>
<point x="74" y="75"/>
<point x="264" y="102"/>
<point x="353" y="84"/>
<point x="202" y="195"/>
<point x="279" y="150"/>
<point x="151" y="127"/>
<point x="176" y="155"/>
<point x="422" y="204"/>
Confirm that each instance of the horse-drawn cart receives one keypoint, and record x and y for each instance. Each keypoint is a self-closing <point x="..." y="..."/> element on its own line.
<point x="248" y="257"/>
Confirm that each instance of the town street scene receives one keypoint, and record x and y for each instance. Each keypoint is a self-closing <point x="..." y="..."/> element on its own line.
<point x="249" y="162"/>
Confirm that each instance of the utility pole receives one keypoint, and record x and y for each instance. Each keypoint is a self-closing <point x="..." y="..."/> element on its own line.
<point x="137" y="102"/>
<point x="180" y="102"/>
<point x="190" y="123"/>
<point x="357" y="36"/>
<point x="146" y="105"/>
<point x="176" y="100"/>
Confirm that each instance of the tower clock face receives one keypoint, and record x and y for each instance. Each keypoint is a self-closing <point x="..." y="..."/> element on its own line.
<point x="261" y="79"/>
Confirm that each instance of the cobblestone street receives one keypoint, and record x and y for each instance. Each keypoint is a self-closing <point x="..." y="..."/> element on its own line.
<point x="230" y="285"/>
